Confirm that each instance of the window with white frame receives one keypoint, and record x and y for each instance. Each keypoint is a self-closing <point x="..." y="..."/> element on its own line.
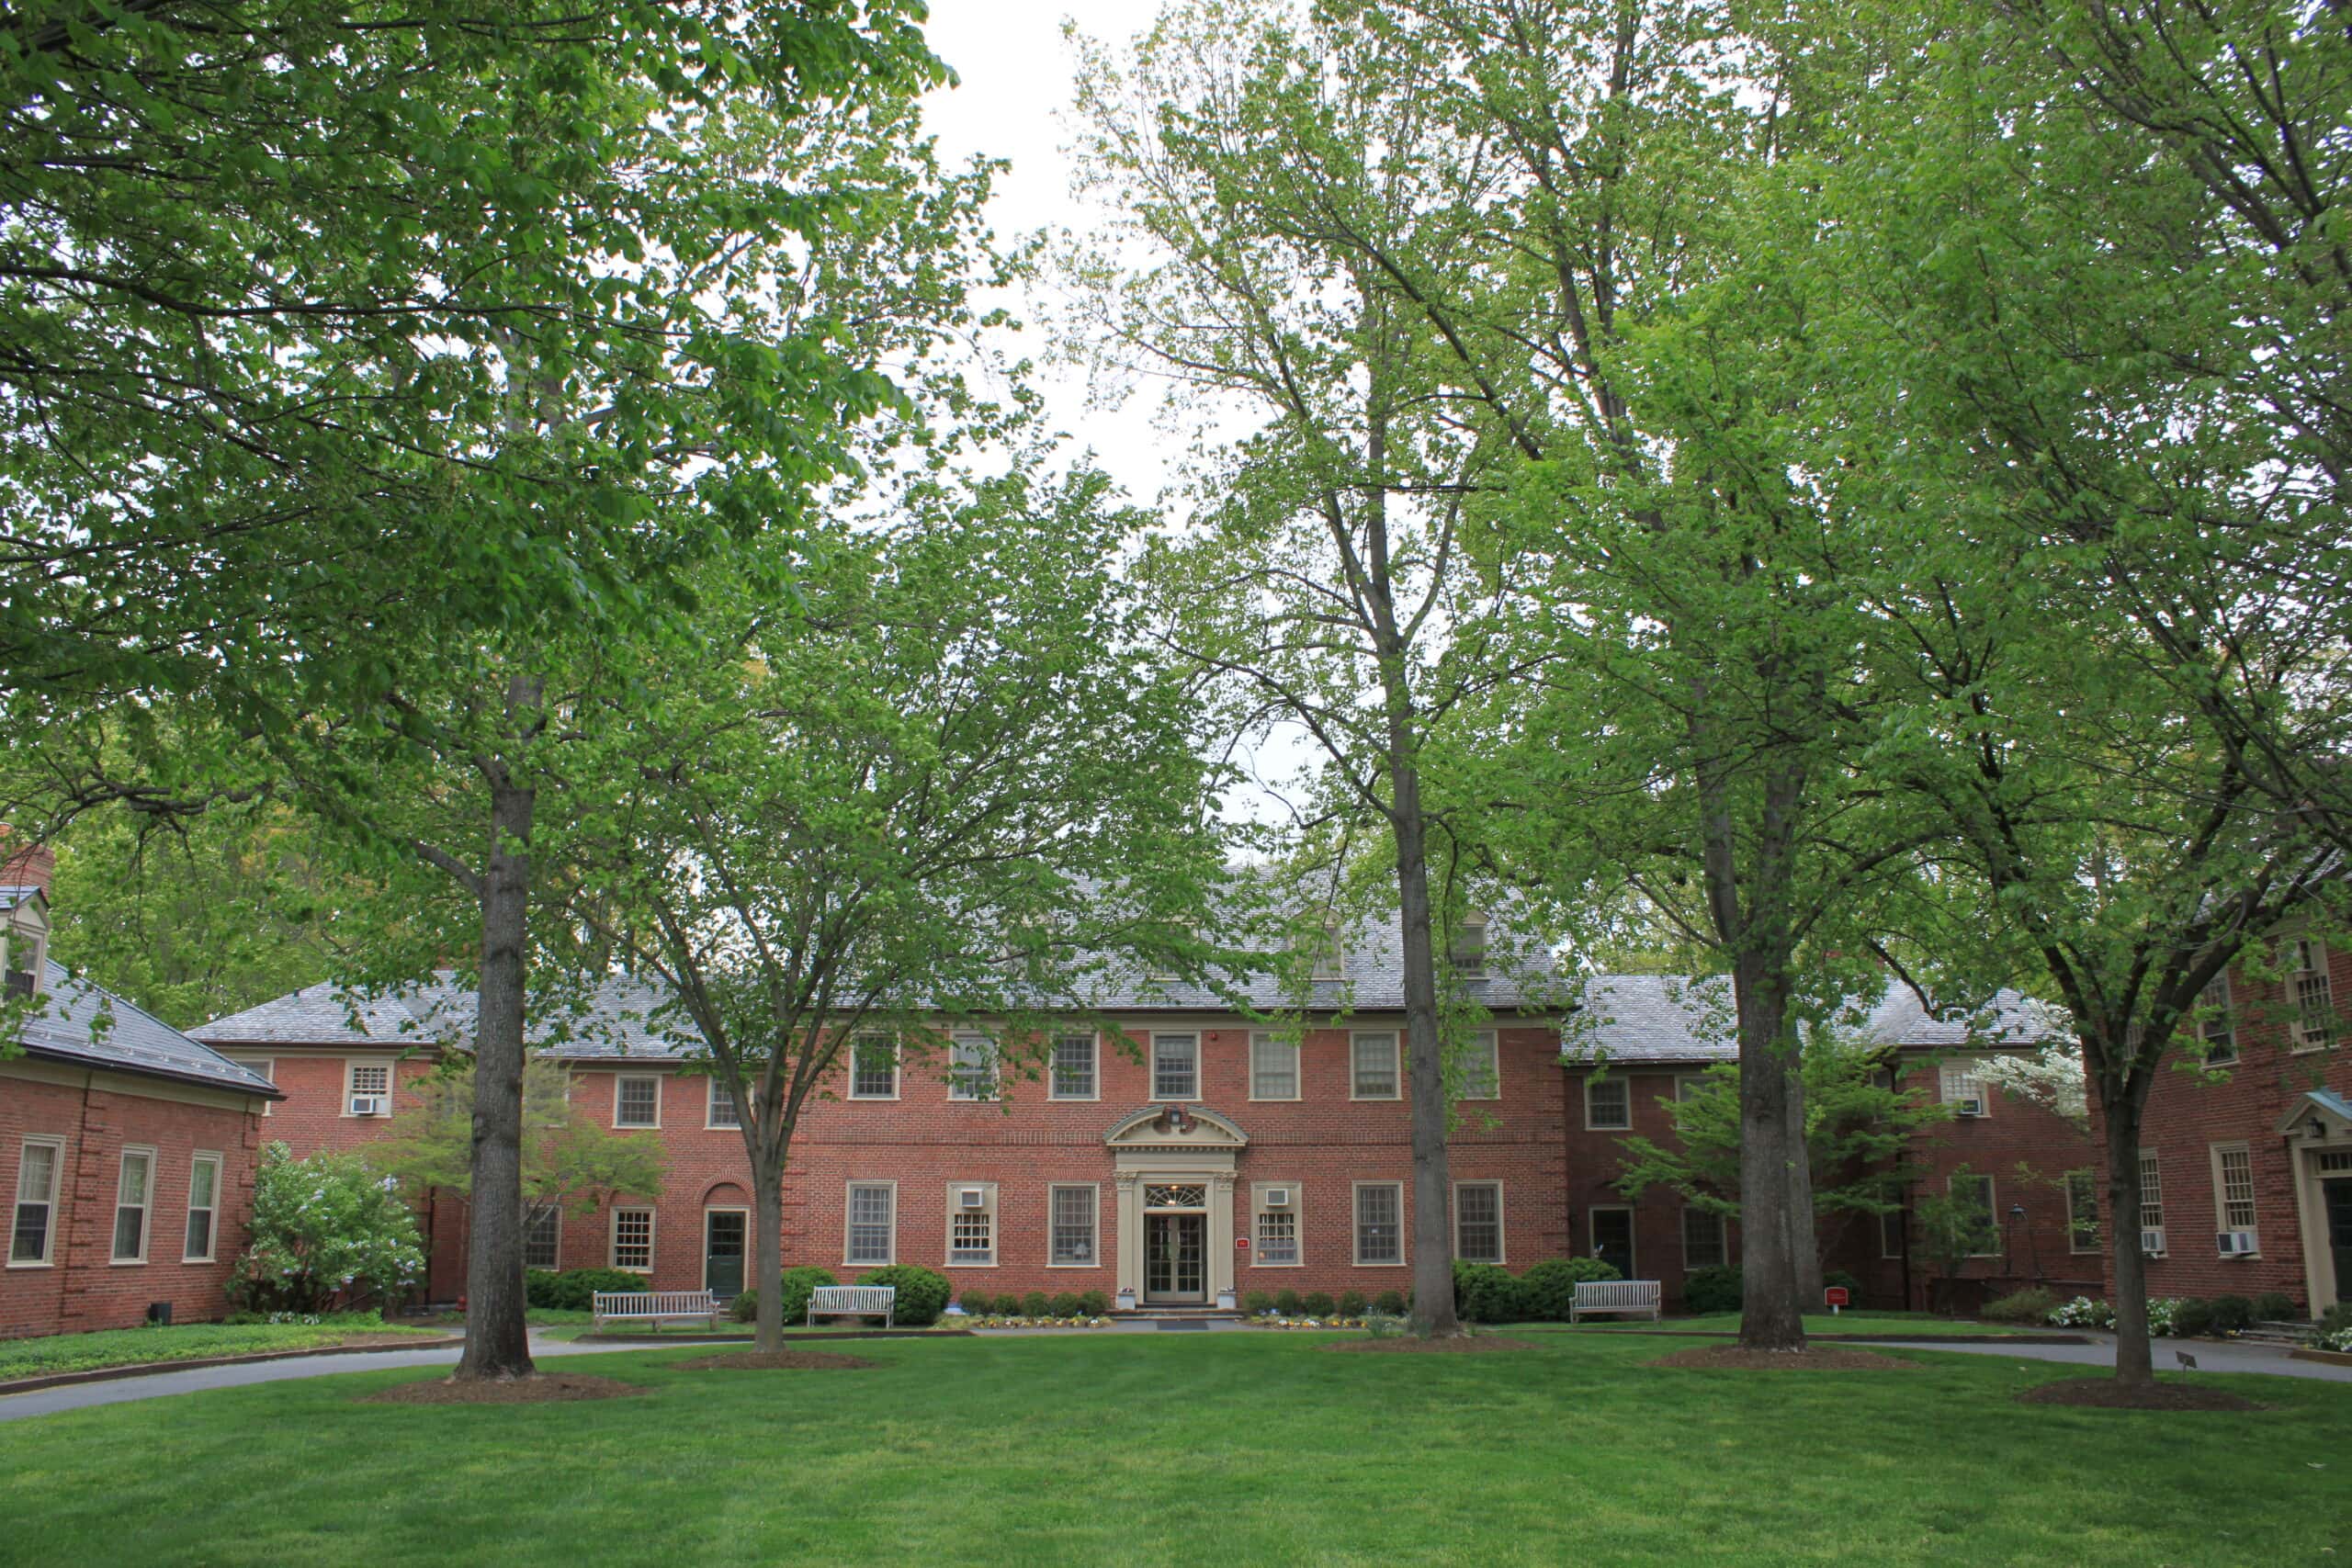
<point x="2151" y="1191"/>
<point x="874" y="1067"/>
<point x="1275" y="1207"/>
<point x="1963" y="1090"/>
<point x="633" y="1240"/>
<point x="203" y="1208"/>
<point x="1330" y="961"/>
<point x="722" y="1110"/>
<point x="543" y="1238"/>
<point x="1608" y="1104"/>
<point x="1466" y="955"/>
<point x="2218" y="1026"/>
<point x="266" y="1067"/>
<point x="34" y="1231"/>
<point x="971" y="1068"/>
<point x="1703" y="1245"/>
<point x="873" y="1228"/>
<point x="134" y="1194"/>
<point x="637" y="1101"/>
<point x="1482" y="1068"/>
<point x="1479" y="1221"/>
<point x="2082" y="1210"/>
<point x="1891" y="1225"/>
<point x="1175" y="1066"/>
<point x="1072" y="1212"/>
<point x="1273" y="1067"/>
<point x="2310" y="995"/>
<point x="2234" y="1186"/>
<point x="1375" y="1073"/>
<point x="971" y="1224"/>
<point x="1074" y="1065"/>
<point x="1976" y="1192"/>
<point x="368" y="1089"/>
<point x="1380" y="1223"/>
<point x="1690" y="1086"/>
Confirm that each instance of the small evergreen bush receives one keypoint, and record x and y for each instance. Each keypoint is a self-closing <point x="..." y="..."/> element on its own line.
<point x="2231" y="1314"/>
<point x="2274" y="1307"/>
<point x="1093" y="1304"/>
<point x="1390" y="1303"/>
<point x="923" y="1292"/>
<point x="1258" y="1304"/>
<point x="1485" y="1293"/>
<point x="1709" y="1290"/>
<point x="1549" y="1287"/>
<point x="1063" y="1305"/>
<point x="1318" y="1305"/>
<point x="798" y="1284"/>
<point x="2032" y="1304"/>
<point x="573" y="1290"/>
<point x="1286" y="1301"/>
<point x="979" y="1303"/>
<point x="2191" y="1319"/>
<point x="1036" y="1305"/>
<point x="1352" y="1304"/>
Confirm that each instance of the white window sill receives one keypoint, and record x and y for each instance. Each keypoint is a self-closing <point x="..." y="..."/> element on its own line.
<point x="15" y="1265"/>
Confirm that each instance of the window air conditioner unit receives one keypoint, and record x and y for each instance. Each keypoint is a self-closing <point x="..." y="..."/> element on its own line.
<point x="2236" y="1244"/>
<point x="1277" y="1197"/>
<point x="971" y="1198"/>
<point x="2152" y="1243"/>
<point x="1971" y="1106"/>
<point x="370" y="1104"/>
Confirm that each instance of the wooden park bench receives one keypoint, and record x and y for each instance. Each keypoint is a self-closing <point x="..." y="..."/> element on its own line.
<point x="654" y="1306"/>
<point x="1616" y="1296"/>
<point x="855" y="1300"/>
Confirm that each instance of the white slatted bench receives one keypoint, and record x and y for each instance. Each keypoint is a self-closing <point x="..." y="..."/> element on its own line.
<point x="855" y="1300"/>
<point x="1616" y="1296"/>
<point x="655" y="1306"/>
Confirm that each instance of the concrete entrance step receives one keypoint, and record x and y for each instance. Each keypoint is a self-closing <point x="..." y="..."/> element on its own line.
<point x="2279" y="1333"/>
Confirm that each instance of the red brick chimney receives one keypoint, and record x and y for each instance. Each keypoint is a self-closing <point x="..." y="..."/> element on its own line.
<point x="30" y="867"/>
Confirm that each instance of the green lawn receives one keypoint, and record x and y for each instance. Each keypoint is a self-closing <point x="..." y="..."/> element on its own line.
<point x="1181" y="1448"/>
<point x="184" y="1342"/>
<point x="1885" y="1323"/>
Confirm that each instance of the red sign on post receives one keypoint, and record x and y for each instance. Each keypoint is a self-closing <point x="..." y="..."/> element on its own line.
<point x="1836" y="1296"/>
<point x="1241" y="1243"/>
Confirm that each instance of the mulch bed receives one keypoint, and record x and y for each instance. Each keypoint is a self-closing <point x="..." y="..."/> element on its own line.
<point x="1732" y="1358"/>
<point x="774" y="1361"/>
<point x="542" y="1388"/>
<point x="2106" y="1394"/>
<point x="1411" y="1345"/>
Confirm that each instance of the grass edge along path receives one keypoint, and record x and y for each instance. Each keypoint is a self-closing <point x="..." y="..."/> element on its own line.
<point x="100" y="1349"/>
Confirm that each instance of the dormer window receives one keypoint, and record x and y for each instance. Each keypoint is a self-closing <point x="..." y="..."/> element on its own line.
<point x="1330" y="957"/>
<point x="26" y="948"/>
<point x="1469" y="954"/>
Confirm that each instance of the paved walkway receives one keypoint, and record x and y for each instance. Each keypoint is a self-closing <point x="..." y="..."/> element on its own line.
<point x="2212" y="1356"/>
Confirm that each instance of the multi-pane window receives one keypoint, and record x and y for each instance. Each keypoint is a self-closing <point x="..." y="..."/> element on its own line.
<point x="1273" y="1068"/>
<point x="2218" y="1028"/>
<point x="2082" y="1210"/>
<point x="637" y="1101"/>
<point x="1277" y="1226"/>
<point x="2234" y="1186"/>
<point x="872" y="1233"/>
<point x="1380" y="1223"/>
<point x="1175" y="1066"/>
<point x="372" y="1089"/>
<point x="1702" y="1239"/>
<point x="723" y="1112"/>
<point x="1073" y="1209"/>
<point x="1469" y="952"/>
<point x="971" y="1068"/>
<point x="543" y="1238"/>
<point x="971" y="1224"/>
<point x="203" y="1207"/>
<point x="1482" y="1072"/>
<point x="2308" y="993"/>
<point x="1374" y="1059"/>
<point x="1976" y="1192"/>
<point x="1479" y="1221"/>
<point x="633" y="1240"/>
<point x="1330" y="961"/>
<point x="36" y="1218"/>
<point x="1073" y="1068"/>
<point x="2151" y="1191"/>
<point x="874" y="1067"/>
<point x="1608" y="1104"/>
<point x="1963" y="1090"/>
<point x="134" y="1191"/>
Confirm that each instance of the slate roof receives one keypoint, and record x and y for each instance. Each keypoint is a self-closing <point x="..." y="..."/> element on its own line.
<point x="133" y="1040"/>
<point x="1678" y="1018"/>
<point x="14" y="894"/>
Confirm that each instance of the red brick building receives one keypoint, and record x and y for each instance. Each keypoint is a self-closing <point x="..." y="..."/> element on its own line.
<point x="2245" y="1166"/>
<point x="126" y="1148"/>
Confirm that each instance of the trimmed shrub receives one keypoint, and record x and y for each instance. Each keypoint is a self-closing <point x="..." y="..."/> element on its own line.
<point x="1258" y="1304"/>
<point x="2231" y="1314"/>
<point x="923" y="1292"/>
<point x="1390" y="1303"/>
<point x="2032" y="1304"/>
<point x="2337" y="1319"/>
<point x="2192" y="1319"/>
<point x="1486" y="1292"/>
<point x="2084" y="1312"/>
<point x="2274" y="1307"/>
<point x="1037" y="1304"/>
<point x="1352" y="1304"/>
<point x="1318" y="1305"/>
<point x="1286" y="1301"/>
<point x="1709" y="1290"/>
<point x="977" y="1303"/>
<point x="797" y="1284"/>
<point x="1093" y="1304"/>
<point x="573" y="1289"/>
<point x="1063" y="1305"/>
<point x="1549" y="1287"/>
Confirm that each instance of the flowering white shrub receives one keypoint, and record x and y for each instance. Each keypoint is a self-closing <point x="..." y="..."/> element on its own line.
<point x="2083" y="1313"/>
<point x="323" y="1227"/>
<point x="2333" y="1339"/>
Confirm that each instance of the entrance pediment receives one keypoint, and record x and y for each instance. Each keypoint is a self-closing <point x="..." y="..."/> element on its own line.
<point x="1176" y="1127"/>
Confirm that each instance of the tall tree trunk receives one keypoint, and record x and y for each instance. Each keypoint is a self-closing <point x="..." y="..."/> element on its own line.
<point x="1771" y="1313"/>
<point x="1804" y="1222"/>
<point x="1434" y="1310"/>
<point x="2120" y="1110"/>
<point x="497" y="1336"/>
<point x="767" y="1246"/>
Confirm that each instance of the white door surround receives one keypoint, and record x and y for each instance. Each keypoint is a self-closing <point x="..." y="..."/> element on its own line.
<point x="1175" y="1159"/>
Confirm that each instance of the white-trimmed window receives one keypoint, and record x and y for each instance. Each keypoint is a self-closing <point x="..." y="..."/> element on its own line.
<point x="368" y="1089"/>
<point x="1482" y="1066"/>
<point x="1479" y="1221"/>
<point x="633" y="1240"/>
<point x="637" y="1101"/>
<point x="2218" y="1028"/>
<point x="1976" y="1191"/>
<point x="2310" y="996"/>
<point x="971" y="1068"/>
<point x="1274" y="1208"/>
<point x="721" y="1109"/>
<point x="2082" y="1210"/>
<point x="1372" y="1062"/>
<point x="1689" y="1087"/>
<point x="1963" y="1090"/>
<point x="1175" y="1066"/>
<point x="1608" y="1104"/>
<point x="874" y="1066"/>
<point x="543" y="1238"/>
<point x="2151" y="1191"/>
<point x="871" y="1224"/>
<point x="33" y="1235"/>
<point x="1071" y="1212"/>
<point x="1704" y="1242"/>
<point x="971" y="1224"/>
<point x="134" y="1194"/>
<point x="1467" y="954"/>
<point x="1380" y="1223"/>
<point x="267" y="1067"/>
<point x="1075" y="1062"/>
<point x="1273" y="1067"/>
<point x="1890" y="1232"/>
<point x="203" y="1207"/>
<point x="2234" y="1186"/>
<point x="1330" y="961"/>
